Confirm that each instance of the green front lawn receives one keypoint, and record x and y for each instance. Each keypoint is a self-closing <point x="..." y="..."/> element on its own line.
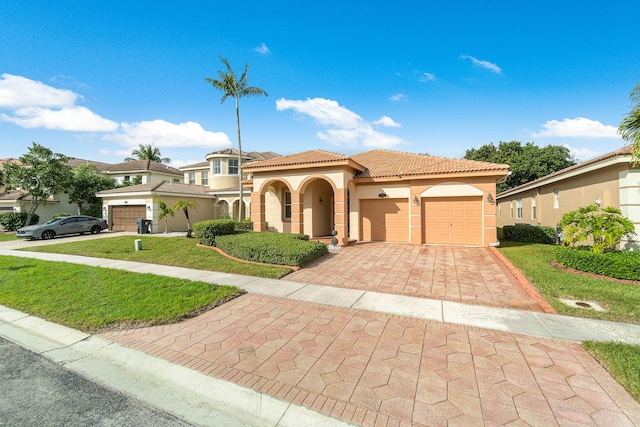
<point x="622" y="361"/>
<point x="622" y="301"/>
<point x="93" y="299"/>
<point x="7" y="236"/>
<point x="174" y="251"/>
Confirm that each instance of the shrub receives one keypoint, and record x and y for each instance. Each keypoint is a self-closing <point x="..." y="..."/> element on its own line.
<point x="529" y="234"/>
<point x="244" y="225"/>
<point x="620" y="265"/>
<point x="605" y="229"/>
<point x="207" y="231"/>
<point x="272" y="248"/>
<point x="61" y="214"/>
<point x="11" y="221"/>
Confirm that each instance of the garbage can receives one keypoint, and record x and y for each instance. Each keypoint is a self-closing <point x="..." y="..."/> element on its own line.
<point x="139" y="224"/>
<point x="146" y="226"/>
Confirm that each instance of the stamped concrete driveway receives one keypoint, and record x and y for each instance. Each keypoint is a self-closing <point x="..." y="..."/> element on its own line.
<point x="462" y="274"/>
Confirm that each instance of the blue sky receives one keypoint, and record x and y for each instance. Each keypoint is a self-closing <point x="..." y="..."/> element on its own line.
<point x="94" y="79"/>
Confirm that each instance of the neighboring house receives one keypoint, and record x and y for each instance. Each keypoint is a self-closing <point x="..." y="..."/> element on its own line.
<point x="378" y="195"/>
<point x="123" y="206"/>
<point x="219" y="173"/>
<point x="149" y="171"/>
<point x="607" y="180"/>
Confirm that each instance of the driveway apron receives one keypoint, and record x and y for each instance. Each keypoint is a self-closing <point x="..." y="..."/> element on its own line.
<point x="461" y="274"/>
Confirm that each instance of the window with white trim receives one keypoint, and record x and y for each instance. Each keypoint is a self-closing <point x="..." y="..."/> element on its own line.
<point x="217" y="167"/>
<point x="204" y="175"/>
<point x="192" y="178"/>
<point x="286" y="205"/>
<point x="233" y="166"/>
<point x="511" y="209"/>
<point x="519" y="208"/>
<point x="534" y="207"/>
<point x="556" y="198"/>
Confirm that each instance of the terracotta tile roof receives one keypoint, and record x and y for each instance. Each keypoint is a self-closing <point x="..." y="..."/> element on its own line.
<point x="252" y="156"/>
<point x="388" y="163"/>
<point x="195" y="166"/>
<point x="74" y="163"/>
<point x="17" y="195"/>
<point x="160" y="187"/>
<point x="624" y="151"/>
<point x="143" y="165"/>
<point x="8" y="160"/>
<point x="306" y="158"/>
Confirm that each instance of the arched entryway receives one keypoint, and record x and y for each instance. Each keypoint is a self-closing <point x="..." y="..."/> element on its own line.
<point x="318" y="208"/>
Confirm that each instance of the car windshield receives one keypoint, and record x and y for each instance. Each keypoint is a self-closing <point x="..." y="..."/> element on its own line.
<point x="54" y="220"/>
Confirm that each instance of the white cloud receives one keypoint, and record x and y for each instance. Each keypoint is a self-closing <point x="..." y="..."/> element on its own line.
<point x="347" y="127"/>
<point x="34" y="104"/>
<point x="165" y="134"/>
<point x="426" y="77"/>
<point x="387" y="121"/>
<point x="398" y="97"/>
<point x="262" y="49"/>
<point x="76" y="119"/>
<point x="579" y="127"/>
<point x="483" y="64"/>
<point x="581" y="153"/>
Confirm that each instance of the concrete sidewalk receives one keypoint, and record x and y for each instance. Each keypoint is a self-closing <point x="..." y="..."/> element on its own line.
<point x="291" y="353"/>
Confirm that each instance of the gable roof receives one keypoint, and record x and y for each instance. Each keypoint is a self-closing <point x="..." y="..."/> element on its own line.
<point x="623" y="153"/>
<point x="312" y="158"/>
<point x="142" y="166"/>
<point x="159" y="187"/>
<point x="389" y="163"/>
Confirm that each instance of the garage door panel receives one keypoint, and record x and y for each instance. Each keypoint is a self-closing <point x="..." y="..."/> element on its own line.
<point x="453" y="220"/>
<point x="123" y="218"/>
<point x="385" y="220"/>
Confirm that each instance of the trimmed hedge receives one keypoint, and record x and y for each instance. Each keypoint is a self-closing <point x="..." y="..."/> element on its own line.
<point x="11" y="221"/>
<point x="272" y="248"/>
<point x="616" y="264"/>
<point x="529" y="234"/>
<point x="207" y="231"/>
<point x="244" y="225"/>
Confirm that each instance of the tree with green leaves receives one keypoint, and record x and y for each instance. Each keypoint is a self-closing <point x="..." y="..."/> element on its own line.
<point x="147" y="152"/>
<point x="629" y="128"/>
<point x="605" y="228"/>
<point x="40" y="174"/>
<point x="87" y="181"/>
<point x="165" y="212"/>
<point x="527" y="162"/>
<point x="185" y="205"/>
<point x="236" y="88"/>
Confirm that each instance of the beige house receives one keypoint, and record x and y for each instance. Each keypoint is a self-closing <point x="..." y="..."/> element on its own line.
<point x="607" y="180"/>
<point x="378" y="195"/>
<point x="123" y="206"/>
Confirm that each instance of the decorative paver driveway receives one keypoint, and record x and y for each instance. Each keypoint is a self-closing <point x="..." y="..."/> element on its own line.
<point x="463" y="274"/>
<point x="383" y="370"/>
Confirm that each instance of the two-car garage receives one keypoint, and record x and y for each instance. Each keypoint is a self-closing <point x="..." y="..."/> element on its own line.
<point x="445" y="220"/>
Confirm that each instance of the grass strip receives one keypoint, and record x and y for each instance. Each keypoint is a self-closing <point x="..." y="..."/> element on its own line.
<point x="534" y="260"/>
<point x="173" y="251"/>
<point x="94" y="299"/>
<point x="7" y="236"/>
<point x="621" y="360"/>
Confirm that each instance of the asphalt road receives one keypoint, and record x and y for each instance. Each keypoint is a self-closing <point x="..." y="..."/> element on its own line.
<point x="35" y="391"/>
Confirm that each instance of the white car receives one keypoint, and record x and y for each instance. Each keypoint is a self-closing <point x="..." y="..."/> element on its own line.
<point x="76" y="224"/>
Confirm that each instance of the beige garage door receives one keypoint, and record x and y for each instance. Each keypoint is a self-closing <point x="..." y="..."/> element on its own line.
<point x="453" y="220"/>
<point x="124" y="217"/>
<point x="385" y="220"/>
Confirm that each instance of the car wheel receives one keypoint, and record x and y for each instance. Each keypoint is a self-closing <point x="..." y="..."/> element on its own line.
<point x="95" y="229"/>
<point x="48" y="234"/>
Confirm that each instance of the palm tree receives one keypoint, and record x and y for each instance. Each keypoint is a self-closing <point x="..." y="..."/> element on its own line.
<point x="629" y="128"/>
<point x="185" y="205"/>
<point x="236" y="88"/>
<point x="147" y="152"/>
<point x="165" y="212"/>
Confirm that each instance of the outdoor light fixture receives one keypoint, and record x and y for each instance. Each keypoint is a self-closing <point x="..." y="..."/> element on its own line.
<point x="490" y="198"/>
<point x="382" y="195"/>
<point x="598" y="202"/>
<point x="321" y="201"/>
<point x="416" y="201"/>
<point x="149" y="207"/>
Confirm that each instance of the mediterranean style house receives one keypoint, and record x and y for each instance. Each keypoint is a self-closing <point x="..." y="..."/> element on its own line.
<point x="607" y="180"/>
<point x="378" y="195"/>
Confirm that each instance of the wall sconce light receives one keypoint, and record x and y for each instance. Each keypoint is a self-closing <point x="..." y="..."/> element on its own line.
<point x="490" y="198"/>
<point x="321" y="201"/>
<point x="382" y="195"/>
<point x="416" y="201"/>
<point x="598" y="202"/>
